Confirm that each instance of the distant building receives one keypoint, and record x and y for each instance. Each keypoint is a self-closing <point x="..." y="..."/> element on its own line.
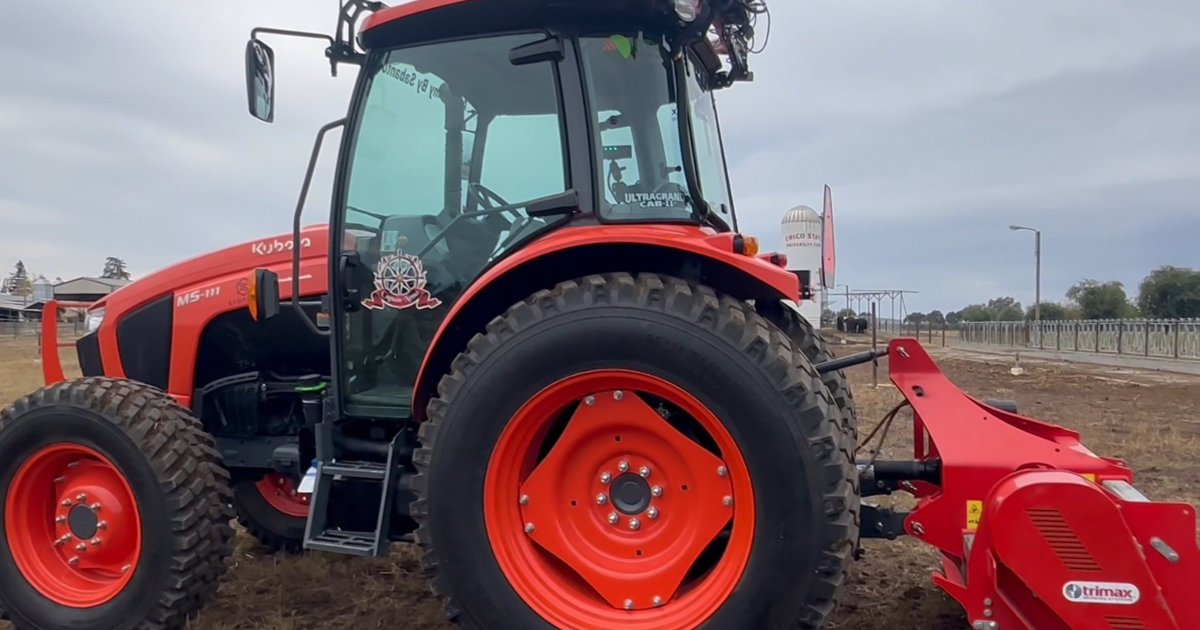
<point x="86" y="289"/>
<point x="76" y="294"/>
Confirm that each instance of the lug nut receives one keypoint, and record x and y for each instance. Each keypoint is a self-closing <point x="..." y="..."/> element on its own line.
<point x="629" y="604"/>
<point x="95" y="506"/>
<point x="656" y="491"/>
<point x="634" y="523"/>
<point x="62" y="541"/>
<point x="126" y="568"/>
<point x="657" y="601"/>
<point x="81" y="497"/>
<point x="60" y="520"/>
<point x="95" y="542"/>
<point x="102" y="525"/>
<point x="589" y="401"/>
<point x="59" y="479"/>
<point x="66" y="503"/>
<point x="721" y="470"/>
<point x="652" y="512"/>
<point x="618" y="395"/>
<point x="524" y="500"/>
<point x="728" y="501"/>
<point x="81" y="547"/>
<point x="644" y="471"/>
<point x="623" y="466"/>
<point x="601" y="499"/>
<point x="528" y="528"/>
<point x="73" y="561"/>
<point x="605" y="478"/>
<point x="613" y="518"/>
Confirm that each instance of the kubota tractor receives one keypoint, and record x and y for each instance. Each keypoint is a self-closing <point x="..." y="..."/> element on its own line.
<point x="558" y="367"/>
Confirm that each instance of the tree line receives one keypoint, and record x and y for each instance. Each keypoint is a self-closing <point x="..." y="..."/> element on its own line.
<point x="20" y="281"/>
<point x="1168" y="292"/>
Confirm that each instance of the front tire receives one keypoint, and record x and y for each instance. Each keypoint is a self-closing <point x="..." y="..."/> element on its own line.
<point x="635" y="452"/>
<point x="115" y="513"/>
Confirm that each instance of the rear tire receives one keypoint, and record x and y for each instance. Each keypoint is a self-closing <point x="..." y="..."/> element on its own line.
<point x="768" y="415"/>
<point x="149" y="519"/>
<point x="809" y="341"/>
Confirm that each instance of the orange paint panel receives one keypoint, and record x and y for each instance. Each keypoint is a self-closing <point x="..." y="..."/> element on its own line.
<point x="701" y="241"/>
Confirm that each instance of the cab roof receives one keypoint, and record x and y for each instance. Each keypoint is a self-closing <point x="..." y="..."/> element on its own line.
<point x="426" y="20"/>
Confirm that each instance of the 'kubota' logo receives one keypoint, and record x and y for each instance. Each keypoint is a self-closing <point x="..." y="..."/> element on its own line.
<point x="1101" y="593"/>
<point x="263" y="248"/>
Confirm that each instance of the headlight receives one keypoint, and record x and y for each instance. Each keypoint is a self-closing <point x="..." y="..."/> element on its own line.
<point x="94" y="318"/>
<point x="687" y="10"/>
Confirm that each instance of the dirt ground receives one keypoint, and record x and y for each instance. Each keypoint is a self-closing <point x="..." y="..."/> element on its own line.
<point x="1144" y="418"/>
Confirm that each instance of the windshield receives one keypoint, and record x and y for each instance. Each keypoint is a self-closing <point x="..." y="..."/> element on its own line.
<point x="631" y="86"/>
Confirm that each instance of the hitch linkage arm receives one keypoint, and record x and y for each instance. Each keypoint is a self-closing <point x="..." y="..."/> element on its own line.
<point x="849" y="360"/>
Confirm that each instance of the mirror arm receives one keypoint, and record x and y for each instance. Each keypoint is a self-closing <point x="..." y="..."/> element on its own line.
<point x="336" y="51"/>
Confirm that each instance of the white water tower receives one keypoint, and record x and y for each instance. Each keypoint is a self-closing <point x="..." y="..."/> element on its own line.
<point x="802" y="230"/>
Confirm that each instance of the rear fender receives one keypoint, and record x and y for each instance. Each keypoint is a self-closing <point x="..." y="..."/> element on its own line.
<point x="688" y="252"/>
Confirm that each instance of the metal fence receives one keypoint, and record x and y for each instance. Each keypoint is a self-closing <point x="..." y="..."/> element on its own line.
<point x="16" y="329"/>
<point x="1177" y="339"/>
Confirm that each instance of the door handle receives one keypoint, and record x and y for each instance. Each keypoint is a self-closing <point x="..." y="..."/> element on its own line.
<point x="348" y="265"/>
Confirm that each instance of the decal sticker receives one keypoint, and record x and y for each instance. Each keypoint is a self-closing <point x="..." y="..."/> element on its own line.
<point x="655" y="200"/>
<point x="974" y="513"/>
<point x="264" y="248"/>
<point x="1121" y="593"/>
<point x="192" y="297"/>
<point x="400" y="283"/>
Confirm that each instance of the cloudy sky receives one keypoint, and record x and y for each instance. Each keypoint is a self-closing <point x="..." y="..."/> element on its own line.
<point x="124" y="132"/>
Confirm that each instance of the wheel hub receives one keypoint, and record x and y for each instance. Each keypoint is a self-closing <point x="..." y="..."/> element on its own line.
<point x="77" y="518"/>
<point x="630" y="494"/>
<point x="82" y="522"/>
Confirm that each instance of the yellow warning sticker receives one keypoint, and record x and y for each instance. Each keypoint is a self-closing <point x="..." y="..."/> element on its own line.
<point x="974" y="513"/>
<point x="1090" y="477"/>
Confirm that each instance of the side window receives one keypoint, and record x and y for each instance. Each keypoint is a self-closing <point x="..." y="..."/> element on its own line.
<point x="523" y="157"/>
<point x="397" y="118"/>
<point x="668" y="125"/>
<point x="619" y="163"/>
<point x="706" y="135"/>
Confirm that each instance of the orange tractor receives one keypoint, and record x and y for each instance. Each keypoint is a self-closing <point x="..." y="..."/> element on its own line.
<point x="557" y="366"/>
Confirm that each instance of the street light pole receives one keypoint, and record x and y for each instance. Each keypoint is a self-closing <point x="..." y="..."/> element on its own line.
<point x="1037" y="254"/>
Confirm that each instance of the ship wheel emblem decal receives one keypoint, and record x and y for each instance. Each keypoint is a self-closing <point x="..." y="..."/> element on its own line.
<point x="400" y="283"/>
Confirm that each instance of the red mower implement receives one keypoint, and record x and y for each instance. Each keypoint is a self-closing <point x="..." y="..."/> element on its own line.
<point x="550" y="359"/>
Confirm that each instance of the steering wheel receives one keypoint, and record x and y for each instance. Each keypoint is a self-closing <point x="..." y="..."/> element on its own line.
<point x="488" y="200"/>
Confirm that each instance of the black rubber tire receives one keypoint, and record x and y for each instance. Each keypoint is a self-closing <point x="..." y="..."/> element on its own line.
<point x="177" y="478"/>
<point x="816" y="349"/>
<point x="801" y="463"/>
<point x="274" y="530"/>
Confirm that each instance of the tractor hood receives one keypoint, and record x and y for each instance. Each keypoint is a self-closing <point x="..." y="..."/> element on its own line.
<point x="243" y="257"/>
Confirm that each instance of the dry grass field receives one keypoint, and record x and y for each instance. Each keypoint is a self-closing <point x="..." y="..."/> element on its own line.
<point x="1149" y="420"/>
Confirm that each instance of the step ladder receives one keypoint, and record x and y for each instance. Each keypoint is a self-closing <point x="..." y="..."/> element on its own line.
<point x="317" y="534"/>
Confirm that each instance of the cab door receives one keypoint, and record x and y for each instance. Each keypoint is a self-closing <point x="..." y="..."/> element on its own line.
<point x="445" y="143"/>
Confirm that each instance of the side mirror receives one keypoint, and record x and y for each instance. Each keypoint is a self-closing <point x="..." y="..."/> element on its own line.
<point x="263" y="296"/>
<point x="260" y="80"/>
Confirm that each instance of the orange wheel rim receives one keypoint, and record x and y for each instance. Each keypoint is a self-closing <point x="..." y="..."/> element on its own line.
<point x="640" y="512"/>
<point x="73" y="525"/>
<point x="280" y="493"/>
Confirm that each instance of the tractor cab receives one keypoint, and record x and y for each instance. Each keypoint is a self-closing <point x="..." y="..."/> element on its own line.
<point x="479" y="126"/>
